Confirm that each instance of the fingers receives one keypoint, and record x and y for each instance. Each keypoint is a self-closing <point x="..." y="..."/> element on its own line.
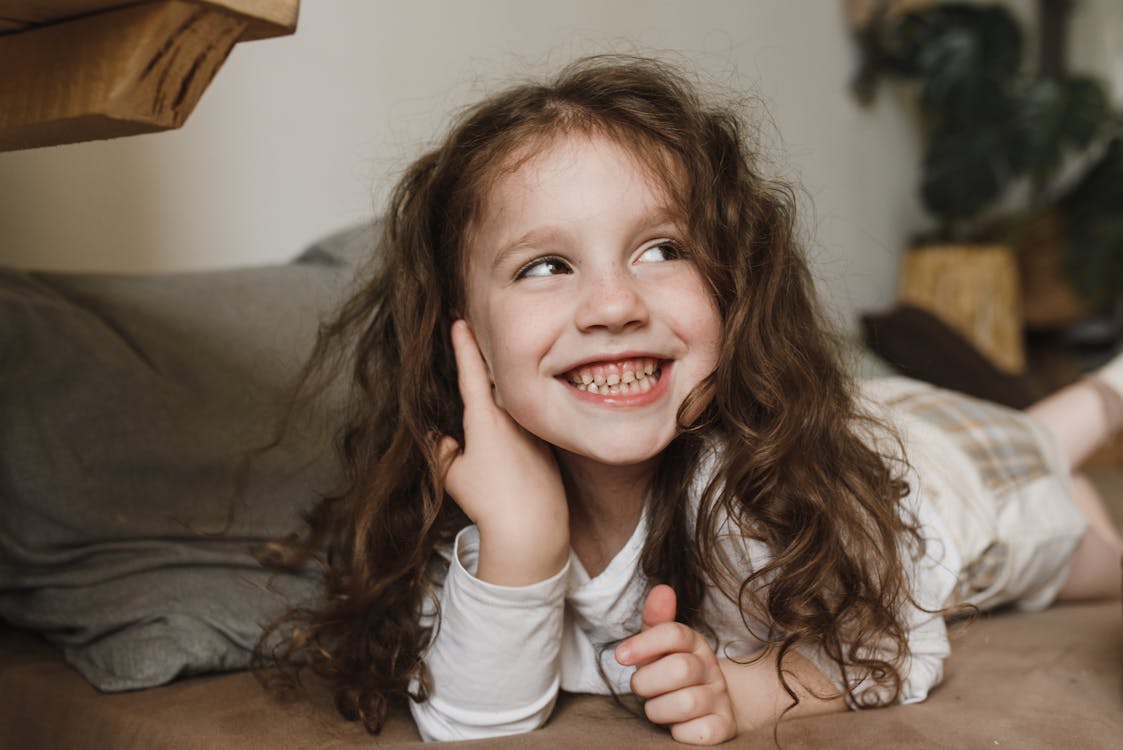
<point x="471" y="371"/>
<point x="697" y="714"/>
<point x="685" y="704"/>
<point x="658" y="609"/>
<point x="447" y="451"/>
<point x="678" y="674"/>
<point x="658" y="641"/>
<point x="669" y="673"/>
<point x="660" y="606"/>
<point x="711" y="729"/>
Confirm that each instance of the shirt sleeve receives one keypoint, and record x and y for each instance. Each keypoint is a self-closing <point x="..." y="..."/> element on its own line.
<point x="494" y="658"/>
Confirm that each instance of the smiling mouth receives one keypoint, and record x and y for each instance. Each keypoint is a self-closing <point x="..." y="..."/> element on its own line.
<point x="629" y="376"/>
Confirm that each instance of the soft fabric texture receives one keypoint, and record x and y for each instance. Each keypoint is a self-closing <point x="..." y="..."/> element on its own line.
<point x="1032" y="681"/>
<point x="999" y="481"/>
<point x="129" y="403"/>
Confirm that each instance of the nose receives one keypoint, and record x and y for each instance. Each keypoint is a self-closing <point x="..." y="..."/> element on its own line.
<point x="613" y="302"/>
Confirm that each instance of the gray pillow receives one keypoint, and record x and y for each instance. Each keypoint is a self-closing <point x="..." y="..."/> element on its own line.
<point x="127" y="404"/>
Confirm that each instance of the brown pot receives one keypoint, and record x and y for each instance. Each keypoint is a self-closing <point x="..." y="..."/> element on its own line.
<point x="975" y="290"/>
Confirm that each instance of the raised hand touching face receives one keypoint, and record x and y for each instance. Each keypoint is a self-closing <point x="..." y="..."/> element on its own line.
<point x="678" y="675"/>
<point x="505" y="479"/>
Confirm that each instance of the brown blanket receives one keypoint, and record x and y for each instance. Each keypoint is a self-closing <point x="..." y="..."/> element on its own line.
<point x="1047" y="680"/>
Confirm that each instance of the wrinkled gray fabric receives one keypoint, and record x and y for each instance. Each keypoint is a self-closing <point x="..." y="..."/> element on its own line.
<point x="127" y="404"/>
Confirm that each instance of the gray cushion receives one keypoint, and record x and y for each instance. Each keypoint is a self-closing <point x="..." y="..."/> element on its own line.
<point x="128" y="403"/>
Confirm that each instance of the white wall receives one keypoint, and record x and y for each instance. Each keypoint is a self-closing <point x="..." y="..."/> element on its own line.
<point x="301" y="135"/>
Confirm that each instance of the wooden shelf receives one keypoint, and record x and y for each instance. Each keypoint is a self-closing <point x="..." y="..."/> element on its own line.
<point x="79" y="70"/>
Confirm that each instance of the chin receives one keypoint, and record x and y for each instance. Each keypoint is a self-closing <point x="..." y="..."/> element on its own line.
<point x="631" y="455"/>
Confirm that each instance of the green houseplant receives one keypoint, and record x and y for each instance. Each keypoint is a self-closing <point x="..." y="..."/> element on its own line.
<point x="1009" y="148"/>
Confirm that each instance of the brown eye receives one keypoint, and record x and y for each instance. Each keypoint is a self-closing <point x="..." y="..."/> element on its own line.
<point x="544" y="267"/>
<point x="661" y="252"/>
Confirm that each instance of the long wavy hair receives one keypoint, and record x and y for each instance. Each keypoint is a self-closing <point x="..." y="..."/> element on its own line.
<point x="790" y="468"/>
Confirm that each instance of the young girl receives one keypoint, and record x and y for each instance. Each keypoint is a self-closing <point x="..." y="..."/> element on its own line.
<point x="600" y="441"/>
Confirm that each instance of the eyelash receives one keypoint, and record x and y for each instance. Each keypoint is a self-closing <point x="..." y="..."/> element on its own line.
<point x="524" y="272"/>
<point x="676" y="253"/>
<point x="675" y="248"/>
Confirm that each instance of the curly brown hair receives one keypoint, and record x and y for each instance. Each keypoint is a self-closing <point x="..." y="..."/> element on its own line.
<point x="791" y="470"/>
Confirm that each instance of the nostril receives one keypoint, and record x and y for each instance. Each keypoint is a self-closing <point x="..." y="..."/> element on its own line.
<point x="614" y="305"/>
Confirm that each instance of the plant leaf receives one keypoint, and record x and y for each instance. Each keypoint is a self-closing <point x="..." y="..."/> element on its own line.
<point x="1058" y="114"/>
<point x="1101" y="188"/>
<point x="968" y="168"/>
<point x="1093" y="228"/>
<point x="954" y="41"/>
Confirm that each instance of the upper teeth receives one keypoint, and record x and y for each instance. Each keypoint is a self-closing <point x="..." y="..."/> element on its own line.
<point x="631" y="375"/>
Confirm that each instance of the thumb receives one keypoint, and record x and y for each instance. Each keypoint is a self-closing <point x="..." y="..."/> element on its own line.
<point x="659" y="607"/>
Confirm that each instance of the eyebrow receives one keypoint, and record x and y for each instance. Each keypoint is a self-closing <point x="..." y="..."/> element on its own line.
<point x="659" y="217"/>
<point x="535" y="236"/>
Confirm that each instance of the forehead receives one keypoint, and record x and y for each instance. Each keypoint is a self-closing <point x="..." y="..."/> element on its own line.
<point x="569" y="177"/>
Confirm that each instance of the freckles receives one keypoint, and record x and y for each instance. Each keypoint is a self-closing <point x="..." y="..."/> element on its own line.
<point x="698" y="312"/>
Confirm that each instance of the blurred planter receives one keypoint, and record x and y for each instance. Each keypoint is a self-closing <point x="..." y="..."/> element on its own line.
<point x="1049" y="301"/>
<point x="1000" y="138"/>
<point x="975" y="290"/>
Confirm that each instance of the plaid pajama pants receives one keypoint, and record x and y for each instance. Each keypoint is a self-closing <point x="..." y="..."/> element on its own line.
<point x="1001" y="484"/>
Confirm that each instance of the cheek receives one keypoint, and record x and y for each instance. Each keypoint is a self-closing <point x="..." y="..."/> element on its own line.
<point x="712" y="332"/>
<point x="706" y="333"/>
<point x="508" y="362"/>
<point x="699" y="322"/>
<point x="513" y="365"/>
<point x="522" y="341"/>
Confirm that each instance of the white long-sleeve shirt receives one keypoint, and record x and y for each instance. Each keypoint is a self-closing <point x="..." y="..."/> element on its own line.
<point x="503" y="652"/>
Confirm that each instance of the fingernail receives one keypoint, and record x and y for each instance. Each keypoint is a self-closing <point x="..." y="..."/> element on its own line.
<point x="623" y="654"/>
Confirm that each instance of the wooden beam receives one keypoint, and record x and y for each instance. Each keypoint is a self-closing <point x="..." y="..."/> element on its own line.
<point x="267" y="18"/>
<point x="38" y="12"/>
<point x="133" y="69"/>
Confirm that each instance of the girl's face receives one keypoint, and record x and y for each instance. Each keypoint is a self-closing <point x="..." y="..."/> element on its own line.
<point x="593" y="325"/>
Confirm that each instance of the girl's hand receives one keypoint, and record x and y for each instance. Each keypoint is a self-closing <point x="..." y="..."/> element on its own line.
<point x="678" y="675"/>
<point x="505" y="479"/>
